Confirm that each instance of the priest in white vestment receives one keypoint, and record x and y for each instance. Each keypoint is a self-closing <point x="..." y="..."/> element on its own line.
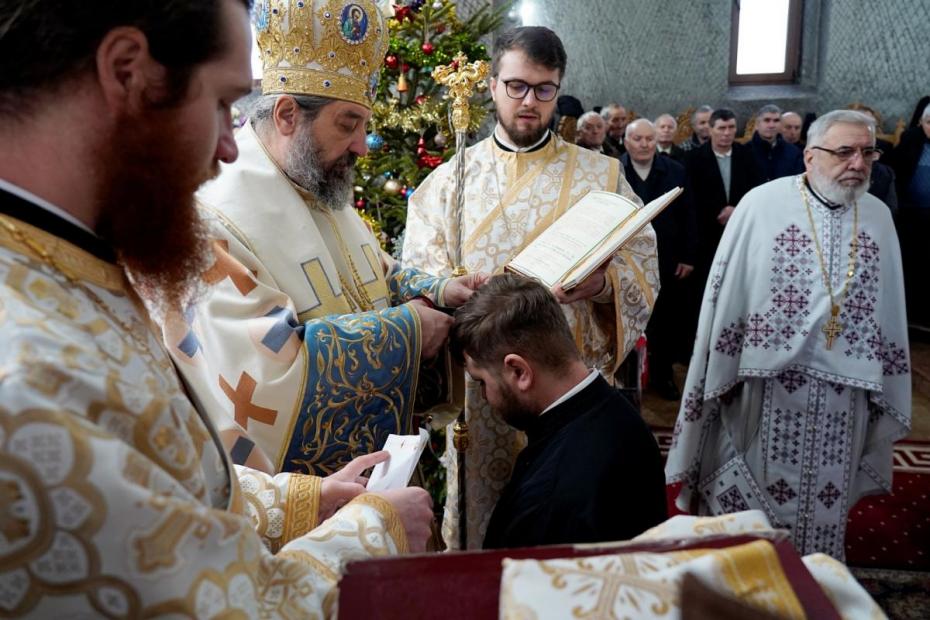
<point x="117" y="499"/>
<point x="306" y="344"/>
<point x="800" y="380"/>
<point x="517" y="182"/>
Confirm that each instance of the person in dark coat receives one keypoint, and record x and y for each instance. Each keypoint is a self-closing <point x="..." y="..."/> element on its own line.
<point x="666" y="126"/>
<point x="720" y="172"/>
<point x="882" y="185"/>
<point x="911" y="163"/>
<point x="775" y="158"/>
<point x="650" y="176"/>
<point x="591" y="470"/>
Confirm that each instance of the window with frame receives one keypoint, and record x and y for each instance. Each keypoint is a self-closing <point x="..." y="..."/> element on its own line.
<point x="765" y="41"/>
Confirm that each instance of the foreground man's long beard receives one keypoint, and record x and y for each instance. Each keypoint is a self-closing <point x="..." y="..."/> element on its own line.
<point x="148" y="213"/>
<point x="303" y="165"/>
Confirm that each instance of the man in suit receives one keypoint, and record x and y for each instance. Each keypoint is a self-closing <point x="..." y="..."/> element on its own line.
<point x="790" y="128"/>
<point x="616" y="117"/>
<point x="666" y="126"/>
<point x="775" y="157"/>
<point x="650" y="176"/>
<point x="592" y="129"/>
<point x="588" y="452"/>
<point x="721" y="171"/>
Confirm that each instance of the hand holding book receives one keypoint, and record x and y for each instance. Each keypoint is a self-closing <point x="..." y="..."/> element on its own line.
<point x="585" y="237"/>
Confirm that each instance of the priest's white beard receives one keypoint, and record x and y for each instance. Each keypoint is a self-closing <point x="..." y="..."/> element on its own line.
<point x="835" y="192"/>
<point x="333" y="187"/>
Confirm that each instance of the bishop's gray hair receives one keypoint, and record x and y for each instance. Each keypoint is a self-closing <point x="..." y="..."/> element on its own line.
<point x="822" y="125"/>
<point x="260" y="111"/>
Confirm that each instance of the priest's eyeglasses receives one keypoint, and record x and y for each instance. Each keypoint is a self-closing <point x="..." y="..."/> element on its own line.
<point x="846" y="153"/>
<point x="517" y="89"/>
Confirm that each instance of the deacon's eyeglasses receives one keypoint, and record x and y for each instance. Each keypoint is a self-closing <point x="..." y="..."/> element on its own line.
<point x="846" y="153"/>
<point x="517" y="89"/>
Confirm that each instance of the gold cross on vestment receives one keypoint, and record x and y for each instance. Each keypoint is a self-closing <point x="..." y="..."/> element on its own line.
<point x="832" y="328"/>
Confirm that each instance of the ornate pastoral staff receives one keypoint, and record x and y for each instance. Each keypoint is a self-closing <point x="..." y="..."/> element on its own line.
<point x="460" y="78"/>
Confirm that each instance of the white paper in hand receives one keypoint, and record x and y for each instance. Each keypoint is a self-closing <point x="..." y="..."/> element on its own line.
<point x="395" y="473"/>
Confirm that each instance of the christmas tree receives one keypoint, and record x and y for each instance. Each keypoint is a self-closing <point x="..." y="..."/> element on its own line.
<point x="409" y="129"/>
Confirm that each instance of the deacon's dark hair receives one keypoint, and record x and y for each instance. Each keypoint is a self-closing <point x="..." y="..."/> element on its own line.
<point x="512" y="314"/>
<point x="46" y="44"/>
<point x="721" y="114"/>
<point x="541" y="45"/>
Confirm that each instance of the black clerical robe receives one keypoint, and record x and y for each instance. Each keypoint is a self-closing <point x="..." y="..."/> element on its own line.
<point x="590" y="472"/>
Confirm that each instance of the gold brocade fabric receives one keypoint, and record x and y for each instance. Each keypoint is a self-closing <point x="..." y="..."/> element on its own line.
<point x="509" y="199"/>
<point x="116" y="497"/>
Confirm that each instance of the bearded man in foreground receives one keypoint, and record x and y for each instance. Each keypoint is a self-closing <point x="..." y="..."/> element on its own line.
<point x="800" y="380"/>
<point x="116" y="496"/>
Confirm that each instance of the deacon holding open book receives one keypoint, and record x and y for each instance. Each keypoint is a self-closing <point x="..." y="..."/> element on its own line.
<point x="517" y="183"/>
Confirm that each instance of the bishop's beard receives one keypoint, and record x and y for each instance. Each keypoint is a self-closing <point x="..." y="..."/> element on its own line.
<point x="303" y="165"/>
<point x="148" y="213"/>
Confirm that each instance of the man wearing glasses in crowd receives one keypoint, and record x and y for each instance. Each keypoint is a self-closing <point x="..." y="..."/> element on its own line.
<point x="800" y="380"/>
<point x="517" y="182"/>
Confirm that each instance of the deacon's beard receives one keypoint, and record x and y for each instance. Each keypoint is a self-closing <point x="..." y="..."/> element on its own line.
<point x="835" y="192"/>
<point x="526" y="138"/>
<point x="148" y="213"/>
<point x="333" y="187"/>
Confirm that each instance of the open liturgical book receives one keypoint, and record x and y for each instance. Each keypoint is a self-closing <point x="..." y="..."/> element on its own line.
<point x="586" y="236"/>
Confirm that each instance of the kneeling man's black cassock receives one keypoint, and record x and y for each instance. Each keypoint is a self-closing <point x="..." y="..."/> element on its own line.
<point x="591" y="472"/>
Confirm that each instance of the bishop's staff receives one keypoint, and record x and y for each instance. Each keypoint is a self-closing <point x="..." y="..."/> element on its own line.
<point x="460" y="78"/>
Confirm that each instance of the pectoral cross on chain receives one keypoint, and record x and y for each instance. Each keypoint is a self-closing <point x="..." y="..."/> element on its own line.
<point x="833" y="327"/>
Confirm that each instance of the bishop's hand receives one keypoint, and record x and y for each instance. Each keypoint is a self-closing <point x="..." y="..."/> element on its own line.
<point x="340" y="488"/>
<point x="434" y="328"/>
<point x="458" y="290"/>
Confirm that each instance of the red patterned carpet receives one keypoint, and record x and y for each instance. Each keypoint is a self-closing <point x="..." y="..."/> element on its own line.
<point x="884" y="531"/>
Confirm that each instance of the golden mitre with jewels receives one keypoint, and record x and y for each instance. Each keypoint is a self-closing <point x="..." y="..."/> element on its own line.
<point x="327" y="48"/>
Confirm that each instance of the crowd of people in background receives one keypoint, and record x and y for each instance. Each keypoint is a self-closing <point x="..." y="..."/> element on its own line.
<point x="717" y="169"/>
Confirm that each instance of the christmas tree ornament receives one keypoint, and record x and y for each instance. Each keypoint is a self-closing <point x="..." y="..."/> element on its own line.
<point x="358" y="189"/>
<point x="402" y="86"/>
<point x="439" y="28"/>
<point x="391" y="186"/>
<point x="403" y="12"/>
<point x="437" y="5"/>
<point x="405" y="68"/>
<point x="420" y="99"/>
<point x="427" y="48"/>
<point x="408" y="192"/>
<point x="360" y="203"/>
<point x="374" y="142"/>
<point x="390" y="61"/>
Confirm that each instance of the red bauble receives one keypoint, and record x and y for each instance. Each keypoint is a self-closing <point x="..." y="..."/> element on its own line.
<point x="360" y="203"/>
<point x="406" y="68"/>
<point x="422" y="140"/>
<point x="427" y="48"/>
<point x="390" y="61"/>
<point x="439" y="28"/>
<point x="403" y="12"/>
